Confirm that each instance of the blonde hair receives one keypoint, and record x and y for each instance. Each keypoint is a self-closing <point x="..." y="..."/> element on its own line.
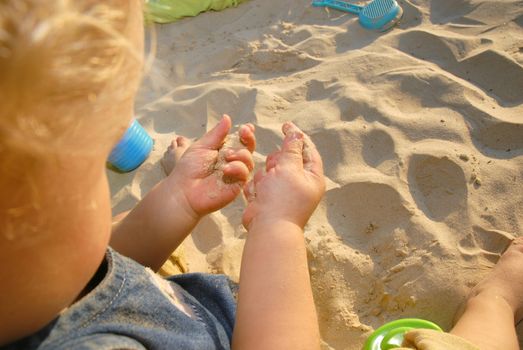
<point x="62" y="63"/>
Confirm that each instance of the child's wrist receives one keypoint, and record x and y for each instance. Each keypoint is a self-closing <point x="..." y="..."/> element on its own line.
<point x="269" y="222"/>
<point x="177" y="205"/>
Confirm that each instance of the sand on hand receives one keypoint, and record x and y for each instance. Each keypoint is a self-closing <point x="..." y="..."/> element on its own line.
<point x="420" y="129"/>
<point x="232" y="142"/>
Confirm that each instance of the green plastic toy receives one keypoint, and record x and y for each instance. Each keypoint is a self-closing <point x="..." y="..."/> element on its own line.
<point x="390" y="335"/>
<point x="166" y="11"/>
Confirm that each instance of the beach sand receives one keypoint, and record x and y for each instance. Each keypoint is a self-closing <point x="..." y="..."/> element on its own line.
<point x="420" y="129"/>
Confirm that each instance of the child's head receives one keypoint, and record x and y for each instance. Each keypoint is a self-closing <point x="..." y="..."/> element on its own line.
<point x="69" y="71"/>
<point x="66" y="69"/>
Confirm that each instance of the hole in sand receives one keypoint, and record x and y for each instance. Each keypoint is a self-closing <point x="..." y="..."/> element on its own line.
<point x="364" y="213"/>
<point x="438" y="185"/>
<point x="378" y="148"/>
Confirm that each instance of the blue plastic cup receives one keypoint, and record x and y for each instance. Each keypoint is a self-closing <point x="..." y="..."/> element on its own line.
<point x="132" y="149"/>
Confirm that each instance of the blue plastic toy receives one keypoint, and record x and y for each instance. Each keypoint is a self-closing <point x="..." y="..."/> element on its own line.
<point x="378" y="15"/>
<point x="132" y="149"/>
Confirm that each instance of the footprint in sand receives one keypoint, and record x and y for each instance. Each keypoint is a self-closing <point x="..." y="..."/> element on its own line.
<point x="492" y="71"/>
<point x="445" y="11"/>
<point x="501" y="136"/>
<point x="496" y="74"/>
<point x="438" y="185"/>
<point x="320" y="90"/>
<point x="412" y="15"/>
<point x="378" y="150"/>
<point x="489" y="244"/>
<point x="337" y="141"/>
<point x="519" y="20"/>
<point x="365" y="213"/>
<point x="275" y="61"/>
<point x="292" y="35"/>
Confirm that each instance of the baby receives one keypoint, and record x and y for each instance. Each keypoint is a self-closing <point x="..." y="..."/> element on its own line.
<point x="69" y="71"/>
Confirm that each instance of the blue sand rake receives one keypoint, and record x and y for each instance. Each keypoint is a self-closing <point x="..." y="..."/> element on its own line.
<point x="379" y="15"/>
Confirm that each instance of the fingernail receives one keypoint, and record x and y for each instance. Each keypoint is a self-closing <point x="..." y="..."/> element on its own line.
<point x="296" y="136"/>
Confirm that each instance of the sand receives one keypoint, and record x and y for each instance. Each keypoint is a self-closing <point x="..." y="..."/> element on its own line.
<point x="420" y="129"/>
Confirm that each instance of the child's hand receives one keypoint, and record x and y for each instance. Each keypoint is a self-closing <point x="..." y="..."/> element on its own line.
<point x="209" y="176"/>
<point x="292" y="185"/>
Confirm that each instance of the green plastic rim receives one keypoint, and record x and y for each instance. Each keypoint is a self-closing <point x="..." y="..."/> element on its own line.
<point x="390" y="335"/>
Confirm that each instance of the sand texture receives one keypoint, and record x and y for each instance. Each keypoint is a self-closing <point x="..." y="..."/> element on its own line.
<point x="420" y="129"/>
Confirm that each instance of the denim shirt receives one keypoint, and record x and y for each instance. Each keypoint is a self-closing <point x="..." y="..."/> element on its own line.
<point x="132" y="308"/>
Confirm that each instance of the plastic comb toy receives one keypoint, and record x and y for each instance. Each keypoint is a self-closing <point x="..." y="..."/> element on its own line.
<point x="378" y="15"/>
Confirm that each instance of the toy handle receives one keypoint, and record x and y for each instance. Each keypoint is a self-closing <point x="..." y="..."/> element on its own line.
<point x="339" y="5"/>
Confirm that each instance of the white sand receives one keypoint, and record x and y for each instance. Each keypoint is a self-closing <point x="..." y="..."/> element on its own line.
<point x="420" y="129"/>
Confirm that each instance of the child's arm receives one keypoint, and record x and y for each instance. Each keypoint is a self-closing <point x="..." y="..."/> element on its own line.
<point x="275" y="304"/>
<point x="168" y="213"/>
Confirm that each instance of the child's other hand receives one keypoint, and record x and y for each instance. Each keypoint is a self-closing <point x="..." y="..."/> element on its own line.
<point x="292" y="184"/>
<point x="209" y="176"/>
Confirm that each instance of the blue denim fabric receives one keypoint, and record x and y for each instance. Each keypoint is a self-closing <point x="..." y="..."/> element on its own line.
<point x="128" y="311"/>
